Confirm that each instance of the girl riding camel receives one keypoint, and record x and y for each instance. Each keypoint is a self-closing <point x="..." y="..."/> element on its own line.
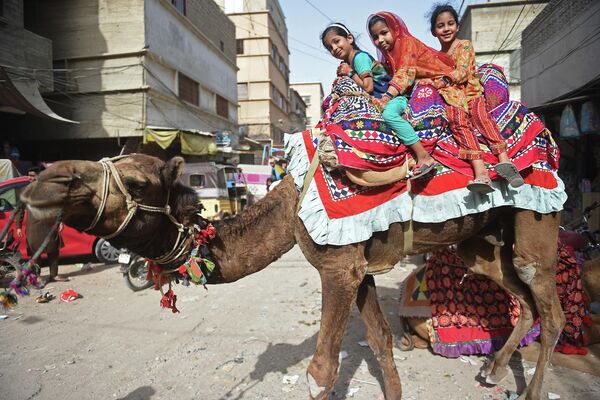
<point x="371" y="76"/>
<point x="408" y="59"/>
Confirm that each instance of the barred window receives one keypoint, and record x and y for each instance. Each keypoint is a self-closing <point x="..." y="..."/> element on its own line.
<point x="222" y="107"/>
<point x="188" y="90"/>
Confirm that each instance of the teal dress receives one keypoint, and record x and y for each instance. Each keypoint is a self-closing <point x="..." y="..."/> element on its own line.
<point x="365" y="65"/>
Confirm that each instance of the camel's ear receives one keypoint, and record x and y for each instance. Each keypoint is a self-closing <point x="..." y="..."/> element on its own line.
<point x="173" y="170"/>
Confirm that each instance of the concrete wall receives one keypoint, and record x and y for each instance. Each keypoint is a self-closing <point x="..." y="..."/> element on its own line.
<point x="20" y="47"/>
<point x="89" y="28"/>
<point x="495" y="30"/>
<point x="208" y="17"/>
<point x="560" y="50"/>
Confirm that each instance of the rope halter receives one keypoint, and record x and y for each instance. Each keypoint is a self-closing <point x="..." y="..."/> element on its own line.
<point x="109" y="170"/>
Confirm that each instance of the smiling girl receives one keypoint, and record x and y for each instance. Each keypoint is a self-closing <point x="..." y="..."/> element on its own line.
<point x="369" y="74"/>
<point x="444" y="26"/>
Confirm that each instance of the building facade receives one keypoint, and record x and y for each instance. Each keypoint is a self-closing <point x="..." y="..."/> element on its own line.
<point x="312" y="94"/>
<point x="495" y="29"/>
<point x="561" y="83"/>
<point x="263" y="68"/>
<point x="123" y="68"/>
<point x="297" y="112"/>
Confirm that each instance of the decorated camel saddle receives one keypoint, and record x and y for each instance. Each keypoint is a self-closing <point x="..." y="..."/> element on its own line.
<point x="341" y="205"/>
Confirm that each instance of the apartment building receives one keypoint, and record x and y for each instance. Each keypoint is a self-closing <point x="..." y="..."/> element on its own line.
<point x="263" y="68"/>
<point x="312" y="94"/>
<point x="161" y="71"/>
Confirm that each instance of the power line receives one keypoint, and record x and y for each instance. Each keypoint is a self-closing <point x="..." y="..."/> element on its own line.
<point x="319" y="11"/>
<point x="509" y="32"/>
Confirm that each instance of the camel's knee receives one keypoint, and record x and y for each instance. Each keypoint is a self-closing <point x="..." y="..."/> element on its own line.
<point x="526" y="269"/>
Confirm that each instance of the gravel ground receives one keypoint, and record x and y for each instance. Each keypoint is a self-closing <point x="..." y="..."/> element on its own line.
<point x="251" y="339"/>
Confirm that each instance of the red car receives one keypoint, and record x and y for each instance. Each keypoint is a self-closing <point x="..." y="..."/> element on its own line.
<point x="75" y="243"/>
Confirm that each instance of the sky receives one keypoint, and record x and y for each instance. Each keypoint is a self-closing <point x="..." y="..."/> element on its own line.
<point x="310" y="62"/>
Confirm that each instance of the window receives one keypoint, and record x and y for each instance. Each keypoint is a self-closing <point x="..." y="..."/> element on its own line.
<point x="308" y="122"/>
<point x="222" y="107"/>
<point x="274" y="52"/>
<point x="188" y="89"/>
<point x="239" y="46"/>
<point x="197" y="180"/>
<point x="306" y="100"/>
<point x="242" y="91"/>
<point x="179" y="5"/>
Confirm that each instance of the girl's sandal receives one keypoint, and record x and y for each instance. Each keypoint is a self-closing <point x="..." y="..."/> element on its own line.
<point x="420" y="170"/>
<point x="509" y="171"/>
<point x="481" y="185"/>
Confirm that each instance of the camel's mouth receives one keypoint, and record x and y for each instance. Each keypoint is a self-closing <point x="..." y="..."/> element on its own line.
<point x="43" y="213"/>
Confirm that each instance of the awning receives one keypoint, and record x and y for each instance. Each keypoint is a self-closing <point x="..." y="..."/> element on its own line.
<point x="192" y="142"/>
<point x="23" y="96"/>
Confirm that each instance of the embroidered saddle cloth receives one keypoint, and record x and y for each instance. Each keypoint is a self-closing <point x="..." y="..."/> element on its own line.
<point x="337" y="211"/>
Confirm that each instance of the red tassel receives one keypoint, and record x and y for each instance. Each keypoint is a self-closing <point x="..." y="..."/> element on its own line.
<point x="169" y="300"/>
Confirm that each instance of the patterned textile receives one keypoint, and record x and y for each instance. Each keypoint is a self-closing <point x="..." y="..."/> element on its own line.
<point x="495" y="85"/>
<point x="470" y="314"/>
<point x="473" y="315"/>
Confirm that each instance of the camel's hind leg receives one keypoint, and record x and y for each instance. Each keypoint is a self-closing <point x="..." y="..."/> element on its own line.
<point x="496" y="263"/>
<point x="536" y="237"/>
<point x="379" y="336"/>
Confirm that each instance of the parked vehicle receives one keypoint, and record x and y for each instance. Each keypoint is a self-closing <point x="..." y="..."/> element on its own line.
<point x="580" y="237"/>
<point x="135" y="271"/>
<point x="221" y="188"/>
<point x="256" y="178"/>
<point x="75" y="243"/>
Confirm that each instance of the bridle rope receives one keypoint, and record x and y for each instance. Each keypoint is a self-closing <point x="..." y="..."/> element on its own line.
<point x="108" y="170"/>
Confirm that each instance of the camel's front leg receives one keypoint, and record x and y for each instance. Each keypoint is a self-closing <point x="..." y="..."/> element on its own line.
<point x="379" y="336"/>
<point x="340" y="278"/>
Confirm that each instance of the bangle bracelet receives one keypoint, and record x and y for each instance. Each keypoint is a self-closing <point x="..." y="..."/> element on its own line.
<point x="351" y="74"/>
<point x="388" y="94"/>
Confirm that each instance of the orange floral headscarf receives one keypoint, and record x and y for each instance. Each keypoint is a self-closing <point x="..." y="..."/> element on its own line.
<point x="410" y="52"/>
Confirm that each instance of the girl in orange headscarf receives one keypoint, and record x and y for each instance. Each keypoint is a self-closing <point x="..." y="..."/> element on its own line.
<point x="408" y="59"/>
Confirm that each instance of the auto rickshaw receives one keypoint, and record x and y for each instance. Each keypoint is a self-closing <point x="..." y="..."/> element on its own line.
<point x="221" y="188"/>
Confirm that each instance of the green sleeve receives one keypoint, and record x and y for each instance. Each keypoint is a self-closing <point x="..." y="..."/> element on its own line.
<point x="362" y="63"/>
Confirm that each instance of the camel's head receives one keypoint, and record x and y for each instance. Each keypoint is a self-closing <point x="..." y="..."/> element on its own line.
<point x="76" y="188"/>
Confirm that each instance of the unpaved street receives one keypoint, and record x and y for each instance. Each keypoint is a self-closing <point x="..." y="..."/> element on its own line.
<point x="239" y="341"/>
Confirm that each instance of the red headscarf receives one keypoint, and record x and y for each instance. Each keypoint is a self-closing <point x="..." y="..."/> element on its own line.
<point x="409" y="51"/>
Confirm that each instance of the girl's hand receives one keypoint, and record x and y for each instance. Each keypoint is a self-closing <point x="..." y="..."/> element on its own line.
<point x="426" y="81"/>
<point x="344" y="69"/>
<point x="380" y="102"/>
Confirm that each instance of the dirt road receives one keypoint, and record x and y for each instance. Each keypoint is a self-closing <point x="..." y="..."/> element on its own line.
<point x="251" y="339"/>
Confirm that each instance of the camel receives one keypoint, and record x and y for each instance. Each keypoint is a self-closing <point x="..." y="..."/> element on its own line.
<point x="128" y="198"/>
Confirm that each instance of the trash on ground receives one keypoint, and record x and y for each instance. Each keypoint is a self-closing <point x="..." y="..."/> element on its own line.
<point x="468" y="360"/>
<point x="343" y="354"/>
<point x="69" y="296"/>
<point x="290" y="379"/>
<point x="531" y="371"/>
<point x="352" y="392"/>
<point x="363" y="343"/>
<point x="553" y="396"/>
<point x="3" y="317"/>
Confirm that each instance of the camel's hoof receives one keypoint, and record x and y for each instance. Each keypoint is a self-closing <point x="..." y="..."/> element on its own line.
<point x="493" y="373"/>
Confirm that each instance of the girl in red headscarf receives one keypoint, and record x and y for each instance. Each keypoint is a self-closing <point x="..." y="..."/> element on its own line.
<point x="408" y="59"/>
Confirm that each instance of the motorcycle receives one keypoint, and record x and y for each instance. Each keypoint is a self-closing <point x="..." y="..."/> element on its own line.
<point x="580" y="237"/>
<point x="135" y="271"/>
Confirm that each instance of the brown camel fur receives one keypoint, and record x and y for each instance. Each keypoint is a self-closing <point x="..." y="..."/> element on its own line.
<point x="268" y="229"/>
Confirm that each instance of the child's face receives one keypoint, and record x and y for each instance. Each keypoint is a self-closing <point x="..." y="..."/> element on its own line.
<point x="382" y="36"/>
<point x="339" y="46"/>
<point x="445" y="28"/>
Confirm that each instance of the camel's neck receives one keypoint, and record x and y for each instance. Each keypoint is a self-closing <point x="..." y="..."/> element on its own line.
<point x="260" y="235"/>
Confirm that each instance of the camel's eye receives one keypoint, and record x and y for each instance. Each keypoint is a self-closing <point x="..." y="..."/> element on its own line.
<point x="135" y="186"/>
